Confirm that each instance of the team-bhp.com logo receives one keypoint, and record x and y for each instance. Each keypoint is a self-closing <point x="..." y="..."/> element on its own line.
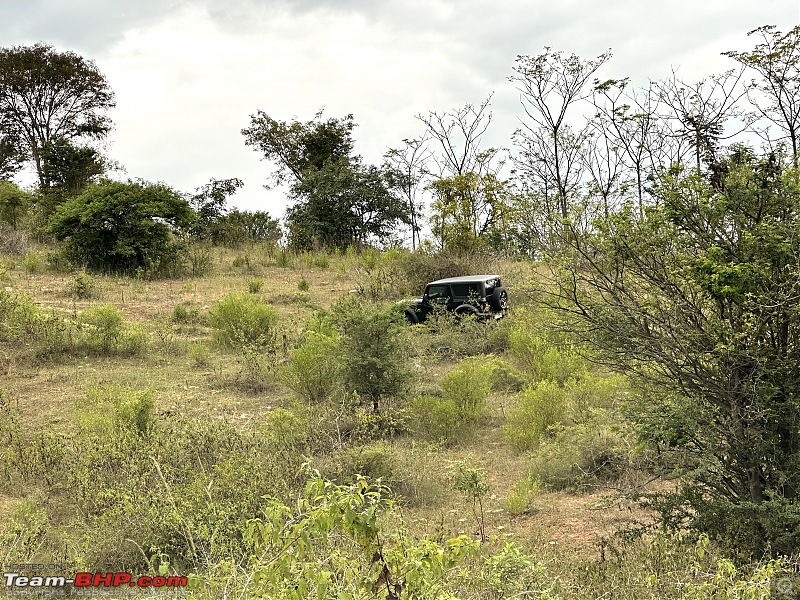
<point x="93" y="580"/>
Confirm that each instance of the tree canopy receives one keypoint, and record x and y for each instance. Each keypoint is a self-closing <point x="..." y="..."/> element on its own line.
<point x="122" y="226"/>
<point x="699" y="300"/>
<point x="46" y="95"/>
<point x="339" y="201"/>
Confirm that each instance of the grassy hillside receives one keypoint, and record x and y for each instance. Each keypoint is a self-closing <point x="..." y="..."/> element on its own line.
<point x="145" y="443"/>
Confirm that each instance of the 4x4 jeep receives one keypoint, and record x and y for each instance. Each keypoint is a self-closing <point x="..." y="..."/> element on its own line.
<point x="482" y="296"/>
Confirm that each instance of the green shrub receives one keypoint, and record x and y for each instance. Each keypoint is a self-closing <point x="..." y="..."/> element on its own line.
<point x="522" y="495"/>
<point x="371" y="357"/>
<point x="199" y="353"/>
<point x="242" y="319"/>
<point x="322" y="261"/>
<point x="533" y="413"/>
<point x="32" y="263"/>
<point x="102" y="331"/>
<point x="468" y="385"/>
<point x="123" y="226"/>
<point x="313" y="371"/>
<point x="436" y="419"/>
<point x="82" y="286"/>
<point x="578" y="456"/>
<point x="302" y="285"/>
<point x="254" y="286"/>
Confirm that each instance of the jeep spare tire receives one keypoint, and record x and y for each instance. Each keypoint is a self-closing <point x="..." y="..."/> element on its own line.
<point x="499" y="299"/>
<point x="465" y="310"/>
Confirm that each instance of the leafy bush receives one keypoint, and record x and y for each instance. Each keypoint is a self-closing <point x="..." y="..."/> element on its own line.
<point x="242" y="319"/>
<point x="254" y="286"/>
<point x="521" y="496"/>
<point x="468" y="385"/>
<point x="199" y="353"/>
<point x="436" y="419"/>
<point x="313" y="371"/>
<point x="371" y="356"/>
<point x="82" y="286"/>
<point x="577" y="456"/>
<point x="123" y="226"/>
<point x="535" y="411"/>
<point x="103" y="331"/>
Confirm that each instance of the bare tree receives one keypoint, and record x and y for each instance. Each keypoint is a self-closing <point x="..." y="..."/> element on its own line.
<point x="550" y="84"/>
<point x="701" y="110"/>
<point x="458" y="135"/>
<point x="411" y="164"/>
<point x="777" y="59"/>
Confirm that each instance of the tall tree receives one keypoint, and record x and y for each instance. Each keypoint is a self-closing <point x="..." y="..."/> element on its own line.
<point x="701" y="110"/>
<point x="777" y="59"/>
<point x="210" y="205"/>
<point x="47" y="95"/>
<point x="410" y="163"/>
<point x="338" y="200"/>
<point x="698" y="301"/>
<point x="550" y="83"/>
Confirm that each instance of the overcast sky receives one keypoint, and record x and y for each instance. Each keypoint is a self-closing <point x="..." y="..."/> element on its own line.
<point x="188" y="74"/>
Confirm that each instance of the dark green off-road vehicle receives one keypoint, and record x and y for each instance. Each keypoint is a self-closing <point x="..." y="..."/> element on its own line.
<point x="481" y="296"/>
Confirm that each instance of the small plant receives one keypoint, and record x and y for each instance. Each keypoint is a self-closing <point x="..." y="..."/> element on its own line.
<point x="283" y="259"/>
<point x="322" y="261"/>
<point x="254" y="286"/>
<point x="242" y="320"/>
<point x="303" y="285"/>
<point x="82" y="286"/>
<point x="520" y="499"/>
<point x="474" y="484"/>
<point x="199" y="353"/>
<point x="313" y="370"/>
<point x="32" y="263"/>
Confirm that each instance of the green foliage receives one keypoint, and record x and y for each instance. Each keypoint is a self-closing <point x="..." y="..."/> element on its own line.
<point x="302" y="285"/>
<point x="199" y="353"/>
<point x="49" y="95"/>
<point x="474" y="485"/>
<point x="14" y="203"/>
<point x="241" y="320"/>
<point x="32" y="262"/>
<point x="703" y="308"/>
<point x="255" y="286"/>
<point x="123" y="226"/>
<point x="102" y="331"/>
<point x="371" y="357"/>
<point x="313" y="371"/>
<point x="436" y="419"/>
<point x="338" y="200"/>
<point x="537" y="409"/>
<point x="295" y="553"/>
<point x="468" y="385"/>
<point x="82" y="286"/>
<point x="579" y="456"/>
<point x="467" y="209"/>
<point x="522" y="495"/>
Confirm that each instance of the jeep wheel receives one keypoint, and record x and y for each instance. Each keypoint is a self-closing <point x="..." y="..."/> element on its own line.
<point x="499" y="299"/>
<point x="411" y="317"/>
